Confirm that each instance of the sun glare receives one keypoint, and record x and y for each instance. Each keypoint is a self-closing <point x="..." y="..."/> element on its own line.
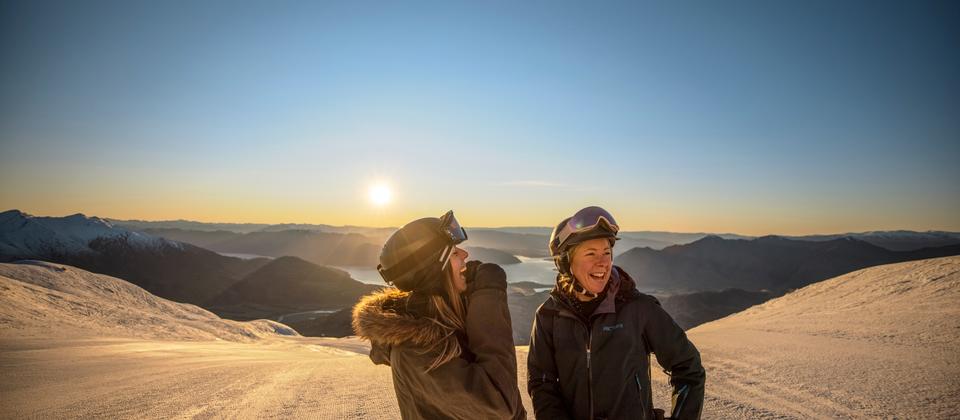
<point x="380" y="194"/>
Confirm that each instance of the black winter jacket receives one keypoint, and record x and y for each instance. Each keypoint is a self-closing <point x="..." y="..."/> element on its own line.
<point x="602" y="370"/>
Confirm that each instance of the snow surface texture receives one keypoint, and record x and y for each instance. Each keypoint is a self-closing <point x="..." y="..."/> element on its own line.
<point x="22" y="234"/>
<point x="41" y="299"/>
<point x="876" y="343"/>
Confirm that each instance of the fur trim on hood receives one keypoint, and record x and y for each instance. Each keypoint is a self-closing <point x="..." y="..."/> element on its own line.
<point x="383" y="318"/>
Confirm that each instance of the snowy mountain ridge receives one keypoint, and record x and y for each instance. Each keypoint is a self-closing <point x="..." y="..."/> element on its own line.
<point x="22" y="234"/>
<point x="43" y="299"/>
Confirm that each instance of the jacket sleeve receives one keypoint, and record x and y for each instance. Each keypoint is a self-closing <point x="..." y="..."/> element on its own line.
<point x="542" y="384"/>
<point x="679" y="357"/>
<point x="487" y="386"/>
<point x="490" y="333"/>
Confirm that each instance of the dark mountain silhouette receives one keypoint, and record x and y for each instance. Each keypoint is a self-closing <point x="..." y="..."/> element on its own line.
<point x="349" y="249"/>
<point x="289" y="284"/>
<point x="767" y="263"/>
<point x="895" y="240"/>
<point x="337" y="324"/>
<point x="692" y="309"/>
<point x="187" y="274"/>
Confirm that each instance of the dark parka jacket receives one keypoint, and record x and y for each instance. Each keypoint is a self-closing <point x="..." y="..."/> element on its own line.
<point x="601" y="369"/>
<point x="481" y="384"/>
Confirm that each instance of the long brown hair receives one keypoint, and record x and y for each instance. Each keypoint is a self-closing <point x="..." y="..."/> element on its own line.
<point x="450" y="313"/>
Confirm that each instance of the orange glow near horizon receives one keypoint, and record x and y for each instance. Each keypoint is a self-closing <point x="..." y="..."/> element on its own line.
<point x="372" y="216"/>
<point x="209" y="200"/>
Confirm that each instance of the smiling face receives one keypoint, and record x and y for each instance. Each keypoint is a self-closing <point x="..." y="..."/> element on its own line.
<point x="591" y="263"/>
<point x="458" y="264"/>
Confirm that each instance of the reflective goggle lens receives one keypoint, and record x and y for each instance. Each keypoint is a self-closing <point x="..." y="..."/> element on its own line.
<point x="587" y="219"/>
<point x="590" y="217"/>
<point x="451" y="228"/>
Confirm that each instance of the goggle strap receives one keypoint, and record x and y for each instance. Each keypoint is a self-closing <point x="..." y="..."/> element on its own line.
<point x="445" y="256"/>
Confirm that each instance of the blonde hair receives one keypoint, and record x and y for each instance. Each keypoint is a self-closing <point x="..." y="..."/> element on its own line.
<point x="450" y="313"/>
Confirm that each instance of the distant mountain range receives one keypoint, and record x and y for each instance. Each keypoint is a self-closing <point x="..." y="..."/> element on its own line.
<point x="532" y="241"/>
<point x="176" y="260"/>
<point x="324" y="248"/>
<point x="373" y="232"/>
<point x="233" y="287"/>
<point x="769" y="263"/>
<point x="894" y="240"/>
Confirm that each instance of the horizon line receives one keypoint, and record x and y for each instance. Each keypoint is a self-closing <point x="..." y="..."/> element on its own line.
<point x="112" y="219"/>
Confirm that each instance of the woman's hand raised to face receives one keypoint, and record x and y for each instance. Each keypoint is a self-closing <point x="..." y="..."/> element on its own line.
<point x="470" y="274"/>
<point x="485" y="276"/>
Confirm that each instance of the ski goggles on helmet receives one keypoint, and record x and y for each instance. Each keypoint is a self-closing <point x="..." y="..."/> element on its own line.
<point x="451" y="230"/>
<point x="585" y="220"/>
<point x="453" y="233"/>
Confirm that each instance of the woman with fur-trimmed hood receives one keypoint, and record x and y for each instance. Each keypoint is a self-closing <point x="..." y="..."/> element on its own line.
<point x="445" y="329"/>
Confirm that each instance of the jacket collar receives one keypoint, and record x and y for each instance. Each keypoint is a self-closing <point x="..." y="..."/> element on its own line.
<point x="622" y="289"/>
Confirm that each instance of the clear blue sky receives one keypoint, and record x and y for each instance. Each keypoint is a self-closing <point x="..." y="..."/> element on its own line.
<point x="753" y="117"/>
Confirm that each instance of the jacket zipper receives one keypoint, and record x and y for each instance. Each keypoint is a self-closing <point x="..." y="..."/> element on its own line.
<point x="681" y="398"/>
<point x="589" y="374"/>
<point x="643" y="407"/>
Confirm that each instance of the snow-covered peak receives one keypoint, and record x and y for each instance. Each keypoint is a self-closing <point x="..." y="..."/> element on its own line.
<point x="24" y="235"/>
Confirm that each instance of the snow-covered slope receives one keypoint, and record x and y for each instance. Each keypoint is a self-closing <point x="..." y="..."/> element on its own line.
<point x="875" y="343"/>
<point x="912" y="304"/>
<point x="24" y="235"/>
<point x="41" y="299"/>
<point x="75" y="344"/>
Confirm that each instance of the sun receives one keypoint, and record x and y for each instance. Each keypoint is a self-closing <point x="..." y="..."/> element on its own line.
<point x="380" y="194"/>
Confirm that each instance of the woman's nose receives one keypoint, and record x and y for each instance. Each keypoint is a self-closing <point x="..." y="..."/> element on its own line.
<point x="463" y="252"/>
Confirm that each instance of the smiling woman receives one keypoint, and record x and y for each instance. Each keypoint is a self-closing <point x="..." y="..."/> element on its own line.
<point x="380" y="194"/>
<point x="592" y="292"/>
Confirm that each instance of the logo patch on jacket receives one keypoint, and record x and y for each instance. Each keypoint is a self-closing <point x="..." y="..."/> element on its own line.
<point x="608" y="328"/>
